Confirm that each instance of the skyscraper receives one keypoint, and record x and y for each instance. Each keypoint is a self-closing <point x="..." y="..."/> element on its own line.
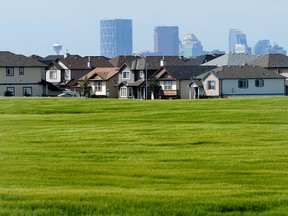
<point x="264" y="47"/>
<point x="116" y="37"/>
<point x="191" y="46"/>
<point x="238" y="42"/>
<point x="166" y="40"/>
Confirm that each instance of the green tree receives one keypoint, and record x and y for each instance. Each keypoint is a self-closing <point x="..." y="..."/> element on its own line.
<point x="85" y="89"/>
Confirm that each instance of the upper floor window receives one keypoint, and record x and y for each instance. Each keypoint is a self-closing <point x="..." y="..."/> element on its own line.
<point x="211" y="85"/>
<point x="21" y="70"/>
<point x="9" y="71"/>
<point x="167" y="85"/>
<point x="98" y="86"/>
<point x="243" y="83"/>
<point x="141" y="74"/>
<point x="279" y="71"/>
<point x="53" y="74"/>
<point x="126" y="75"/>
<point x="259" y="83"/>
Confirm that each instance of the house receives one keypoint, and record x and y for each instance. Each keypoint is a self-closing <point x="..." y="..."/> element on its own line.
<point x="240" y="81"/>
<point x="65" y="72"/>
<point x="231" y="59"/>
<point x="277" y="63"/>
<point x="173" y="81"/>
<point x="21" y="75"/>
<point x="101" y="82"/>
<point x="132" y="76"/>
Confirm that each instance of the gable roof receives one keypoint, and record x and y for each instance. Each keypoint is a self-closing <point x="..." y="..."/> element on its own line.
<point x="232" y="59"/>
<point x="9" y="59"/>
<point x="271" y="61"/>
<point x="185" y="72"/>
<point x="201" y="59"/>
<point x="118" y="61"/>
<point x="241" y="72"/>
<point x="101" y="73"/>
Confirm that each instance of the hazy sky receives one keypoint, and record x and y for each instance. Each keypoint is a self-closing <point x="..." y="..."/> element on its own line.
<point x="33" y="26"/>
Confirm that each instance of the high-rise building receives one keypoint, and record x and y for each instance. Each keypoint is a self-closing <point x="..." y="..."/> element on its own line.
<point x="238" y="42"/>
<point x="263" y="47"/>
<point x="116" y="37"/>
<point x="191" y="46"/>
<point x="166" y="40"/>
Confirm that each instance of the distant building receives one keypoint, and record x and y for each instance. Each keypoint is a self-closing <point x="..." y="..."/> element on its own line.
<point x="191" y="46"/>
<point x="166" y="40"/>
<point x="263" y="47"/>
<point x="116" y="37"/>
<point x="238" y="42"/>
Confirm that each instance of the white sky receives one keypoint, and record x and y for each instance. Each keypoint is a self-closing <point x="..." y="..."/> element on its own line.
<point x="33" y="26"/>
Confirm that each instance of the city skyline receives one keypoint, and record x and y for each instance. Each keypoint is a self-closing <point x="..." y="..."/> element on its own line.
<point x="33" y="29"/>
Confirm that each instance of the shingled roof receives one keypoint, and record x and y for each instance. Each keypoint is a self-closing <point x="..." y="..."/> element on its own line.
<point x="232" y="59"/>
<point x="271" y="61"/>
<point x="242" y="72"/>
<point x="201" y="59"/>
<point x="186" y="72"/>
<point x="101" y="74"/>
<point x="9" y="59"/>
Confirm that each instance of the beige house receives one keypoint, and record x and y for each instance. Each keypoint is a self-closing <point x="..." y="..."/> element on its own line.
<point x="21" y="76"/>
<point x="102" y="82"/>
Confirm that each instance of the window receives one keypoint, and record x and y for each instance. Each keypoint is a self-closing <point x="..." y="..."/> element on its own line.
<point x="130" y="92"/>
<point x="27" y="91"/>
<point x="98" y="85"/>
<point x="67" y="74"/>
<point x="167" y="85"/>
<point x="211" y="85"/>
<point x="126" y="75"/>
<point x="21" y="70"/>
<point x="123" y="92"/>
<point x="11" y="91"/>
<point x="279" y="71"/>
<point x="10" y="71"/>
<point x="243" y="83"/>
<point x="141" y="74"/>
<point x="53" y="75"/>
<point x="259" y="83"/>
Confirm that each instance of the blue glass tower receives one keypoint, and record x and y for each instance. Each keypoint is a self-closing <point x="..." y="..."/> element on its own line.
<point x="166" y="40"/>
<point x="116" y="37"/>
<point x="238" y="42"/>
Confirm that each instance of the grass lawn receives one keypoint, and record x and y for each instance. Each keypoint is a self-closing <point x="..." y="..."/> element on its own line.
<point x="128" y="157"/>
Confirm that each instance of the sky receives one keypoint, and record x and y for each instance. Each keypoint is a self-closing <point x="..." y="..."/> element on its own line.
<point x="32" y="26"/>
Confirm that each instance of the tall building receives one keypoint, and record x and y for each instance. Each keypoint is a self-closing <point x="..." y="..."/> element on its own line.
<point x="191" y="46"/>
<point x="263" y="47"/>
<point x="238" y="42"/>
<point x="166" y="40"/>
<point x="116" y="37"/>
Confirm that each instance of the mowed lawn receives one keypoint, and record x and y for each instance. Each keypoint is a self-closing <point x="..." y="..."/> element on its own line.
<point x="131" y="157"/>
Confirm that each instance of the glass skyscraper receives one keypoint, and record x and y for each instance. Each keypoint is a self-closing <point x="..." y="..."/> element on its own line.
<point x="238" y="42"/>
<point x="166" y="40"/>
<point x="116" y="37"/>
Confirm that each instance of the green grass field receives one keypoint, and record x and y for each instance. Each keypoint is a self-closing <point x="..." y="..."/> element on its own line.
<point x="131" y="157"/>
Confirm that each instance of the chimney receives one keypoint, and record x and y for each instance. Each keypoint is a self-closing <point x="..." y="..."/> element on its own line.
<point x="66" y="54"/>
<point x="89" y="62"/>
<point x="163" y="62"/>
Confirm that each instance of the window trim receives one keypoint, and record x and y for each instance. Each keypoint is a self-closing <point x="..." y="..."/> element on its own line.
<point x="211" y="87"/>
<point x="30" y="88"/>
<point x="259" y="83"/>
<point x="8" y="69"/>
<point x="126" y="72"/>
<point x="21" y="71"/>
<point x="243" y="84"/>
<point x="13" y="91"/>
<point x="168" y="86"/>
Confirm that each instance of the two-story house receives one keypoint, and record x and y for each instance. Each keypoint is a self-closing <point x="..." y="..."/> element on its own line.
<point x="21" y="75"/>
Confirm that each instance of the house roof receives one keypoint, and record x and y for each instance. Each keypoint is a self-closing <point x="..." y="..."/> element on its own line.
<point x="9" y="59"/>
<point x="121" y="60"/>
<point x="185" y="72"/>
<point x="232" y="59"/>
<point x="201" y="59"/>
<point x="271" y="61"/>
<point x="101" y="74"/>
<point x="241" y="72"/>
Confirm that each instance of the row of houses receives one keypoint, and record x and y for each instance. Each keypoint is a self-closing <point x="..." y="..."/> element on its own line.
<point x="138" y="77"/>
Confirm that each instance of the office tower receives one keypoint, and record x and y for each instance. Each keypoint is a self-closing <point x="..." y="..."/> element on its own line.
<point x="116" y="37"/>
<point x="263" y="47"/>
<point x="166" y="40"/>
<point x="191" y="46"/>
<point x="238" y="42"/>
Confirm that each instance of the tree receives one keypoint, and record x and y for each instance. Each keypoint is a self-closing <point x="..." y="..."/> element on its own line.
<point x="85" y="89"/>
<point x="153" y="87"/>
